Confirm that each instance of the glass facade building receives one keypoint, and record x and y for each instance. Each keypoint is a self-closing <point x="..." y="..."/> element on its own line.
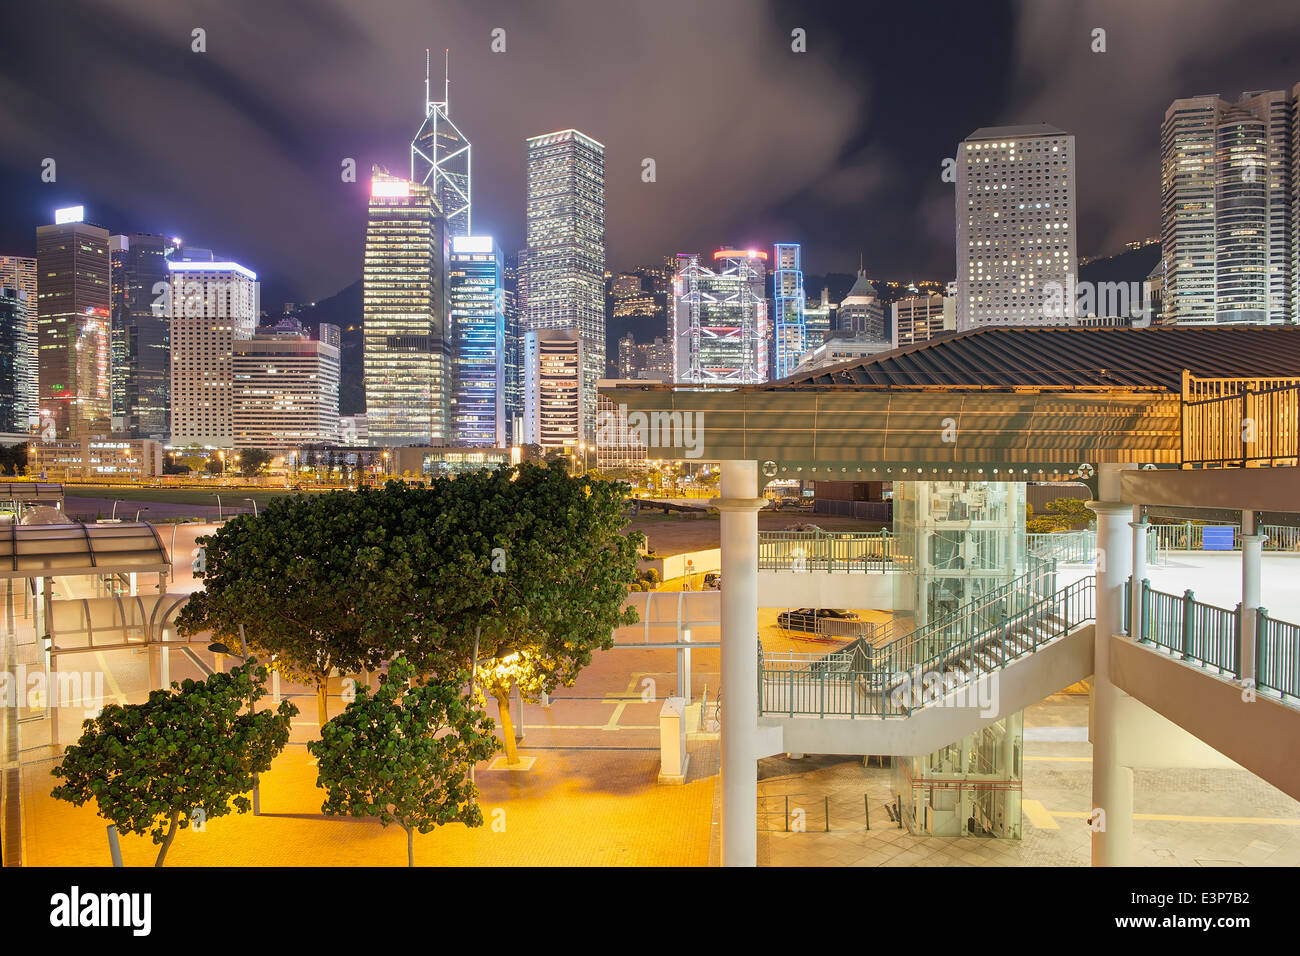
<point x="17" y="361"/>
<point x="566" y="249"/>
<point x="406" y="356"/>
<point x="720" y="318"/>
<point x="73" y="322"/>
<point x="478" y="341"/>
<point x="141" y="336"/>
<point x="790" y="334"/>
<point x="1229" y="208"/>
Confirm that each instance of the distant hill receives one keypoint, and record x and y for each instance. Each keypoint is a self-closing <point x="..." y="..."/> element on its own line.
<point x="344" y="310"/>
<point x="1131" y="265"/>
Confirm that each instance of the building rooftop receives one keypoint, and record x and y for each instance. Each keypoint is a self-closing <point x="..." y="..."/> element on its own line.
<point x="1066" y="357"/>
<point x="1004" y="132"/>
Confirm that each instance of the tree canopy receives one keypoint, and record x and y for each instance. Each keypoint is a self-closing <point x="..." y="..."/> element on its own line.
<point x="530" y="559"/>
<point x="185" y="754"/>
<point x="403" y="754"/>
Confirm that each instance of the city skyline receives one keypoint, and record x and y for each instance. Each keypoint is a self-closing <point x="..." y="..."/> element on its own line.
<point x="868" y="145"/>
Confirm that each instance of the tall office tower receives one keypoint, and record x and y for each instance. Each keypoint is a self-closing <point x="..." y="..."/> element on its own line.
<point x="286" y="391"/>
<point x="553" y="387"/>
<point x="17" y="361"/>
<point x="214" y="307"/>
<point x="73" y="326"/>
<point x="566" y="249"/>
<point x="330" y="334"/>
<point x="861" y="312"/>
<point x="919" y="318"/>
<point x="475" y="281"/>
<point x="720" y="318"/>
<point x="19" y="273"/>
<point x="817" y="320"/>
<point x="407" y="360"/>
<point x="440" y="156"/>
<point x="645" y="361"/>
<point x="1016" y="261"/>
<point x="789" y="332"/>
<point x="1228" y="209"/>
<point x="514" y="351"/>
<point x="141" y="345"/>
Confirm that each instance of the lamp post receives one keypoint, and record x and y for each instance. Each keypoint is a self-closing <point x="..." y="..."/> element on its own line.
<point x="138" y="511"/>
<point x="254" y="501"/>
<point x="218" y="648"/>
<point x="113" y="517"/>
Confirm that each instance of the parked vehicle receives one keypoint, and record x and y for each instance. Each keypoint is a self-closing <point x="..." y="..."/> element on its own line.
<point x="713" y="581"/>
<point x="806" y="618"/>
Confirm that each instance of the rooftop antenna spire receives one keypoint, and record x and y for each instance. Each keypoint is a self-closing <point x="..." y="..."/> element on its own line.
<point x="861" y="267"/>
<point x="446" y="80"/>
<point x="426" y="82"/>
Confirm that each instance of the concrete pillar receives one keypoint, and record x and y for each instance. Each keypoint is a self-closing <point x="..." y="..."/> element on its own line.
<point x="1140" y="528"/>
<point x="1112" y="783"/>
<point x="739" y="505"/>
<point x="1252" y="558"/>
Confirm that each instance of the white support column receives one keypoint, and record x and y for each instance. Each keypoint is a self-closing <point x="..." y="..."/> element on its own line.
<point x="1140" y="528"/>
<point x="1112" y="783"/>
<point x="1252" y="558"/>
<point x="739" y="505"/>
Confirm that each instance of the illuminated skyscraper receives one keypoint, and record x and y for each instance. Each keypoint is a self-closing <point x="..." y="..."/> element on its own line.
<point x="214" y="306"/>
<point x="17" y="361"/>
<point x="790" y="336"/>
<point x="566" y="249"/>
<point x="478" y="341"/>
<point x="1229" y="213"/>
<point x="406" y="358"/>
<point x="440" y="156"/>
<point x="1015" y="226"/>
<point x="720" y="318"/>
<point x="73" y="326"/>
<point x="141" y="346"/>
<point x="514" y="351"/>
<point x="553" y="388"/>
<point x="861" y="311"/>
<point x="286" y="391"/>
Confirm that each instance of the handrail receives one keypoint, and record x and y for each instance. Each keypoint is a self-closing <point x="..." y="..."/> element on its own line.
<point x="858" y="681"/>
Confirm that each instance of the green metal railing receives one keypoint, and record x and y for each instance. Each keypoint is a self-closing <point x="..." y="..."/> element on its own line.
<point x="922" y="667"/>
<point x="1210" y="636"/>
<point x="832" y="551"/>
<point x="1277" y="655"/>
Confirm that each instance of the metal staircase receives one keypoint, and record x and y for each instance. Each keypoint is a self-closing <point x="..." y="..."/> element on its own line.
<point x="930" y="664"/>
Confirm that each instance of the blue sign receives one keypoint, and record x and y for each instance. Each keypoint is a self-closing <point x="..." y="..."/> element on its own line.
<point x="1217" y="538"/>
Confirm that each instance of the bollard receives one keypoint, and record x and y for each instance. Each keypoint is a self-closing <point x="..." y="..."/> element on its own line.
<point x="828" y="813"/>
<point x="866" y="806"/>
<point x="787" y="814"/>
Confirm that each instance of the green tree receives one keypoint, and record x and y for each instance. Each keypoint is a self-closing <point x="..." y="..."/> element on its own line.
<point x="303" y="577"/>
<point x="254" y="461"/>
<point x="13" y="459"/>
<point x="539" y="568"/>
<point x="403" y="755"/>
<point x="191" y="751"/>
<point x="1060" y="514"/>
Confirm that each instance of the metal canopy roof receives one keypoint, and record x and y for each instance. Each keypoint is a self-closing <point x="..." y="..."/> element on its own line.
<point x="54" y="550"/>
<point x="28" y="491"/>
<point x="1069" y="357"/>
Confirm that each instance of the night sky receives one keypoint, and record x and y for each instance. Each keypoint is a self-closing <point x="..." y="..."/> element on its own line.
<point x="840" y="148"/>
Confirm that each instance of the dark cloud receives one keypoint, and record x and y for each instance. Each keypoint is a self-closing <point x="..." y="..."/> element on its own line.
<point x="840" y="148"/>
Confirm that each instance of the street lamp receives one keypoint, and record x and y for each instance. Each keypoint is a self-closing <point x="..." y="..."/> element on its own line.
<point x="115" y="504"/>
<point x="254" y="501"/>
<point x="138" y="511"/>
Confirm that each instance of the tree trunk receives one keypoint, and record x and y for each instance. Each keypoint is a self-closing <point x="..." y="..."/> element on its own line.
<point x="322" y="698"/>
<point x="507" y="727"/>
<point x="410" y="847"/>
<point x="167" y="841"/>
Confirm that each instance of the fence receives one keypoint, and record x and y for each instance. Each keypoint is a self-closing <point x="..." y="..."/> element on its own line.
<point x="842" y="552"/>
<point x="1227" y="422"/>
<point x="1210" y="636"/>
